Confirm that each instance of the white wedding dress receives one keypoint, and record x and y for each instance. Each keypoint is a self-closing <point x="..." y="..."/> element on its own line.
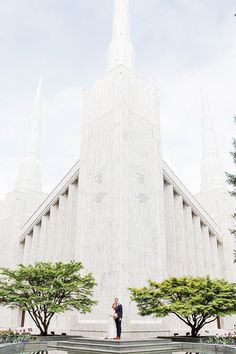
<point x="111" y="333"/>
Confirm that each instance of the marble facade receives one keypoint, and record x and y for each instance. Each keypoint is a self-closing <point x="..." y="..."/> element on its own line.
<point x="121" y="210"/>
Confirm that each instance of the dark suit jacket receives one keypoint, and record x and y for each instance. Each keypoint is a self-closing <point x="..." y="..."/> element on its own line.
<point x="120" y="311"/>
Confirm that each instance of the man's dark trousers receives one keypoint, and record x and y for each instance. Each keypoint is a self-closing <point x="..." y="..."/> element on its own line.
<point x="118" y="320"/>
<point x="118" y="327"/>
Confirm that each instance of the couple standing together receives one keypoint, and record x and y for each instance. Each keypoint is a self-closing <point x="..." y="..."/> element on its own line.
<point x="115" y="315"/>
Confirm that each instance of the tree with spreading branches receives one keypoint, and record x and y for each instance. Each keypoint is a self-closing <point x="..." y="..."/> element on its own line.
<point x="45" y="289"/>
<point x="197" y="301"/>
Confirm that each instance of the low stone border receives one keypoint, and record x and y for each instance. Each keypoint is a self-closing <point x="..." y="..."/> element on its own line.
<point x="216" y="348"/>
<point x="9" y="348"/>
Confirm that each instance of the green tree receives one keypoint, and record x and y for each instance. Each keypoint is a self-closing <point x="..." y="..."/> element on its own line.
<point x="196" y="301"/>
<point x="45" y="289"/>
<point x="231" y="179"/>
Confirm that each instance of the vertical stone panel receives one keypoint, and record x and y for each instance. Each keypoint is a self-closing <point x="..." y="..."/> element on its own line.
<point x="35" y="243"/>
<point x="70" y="235"/>
<point x="180" y="235"/>
<point x="198" y="246"/>
<point x="207" y="250"/>
<point x="43" y="238"/>
<point x="221" y="260"/>
<point x="170" y="230"/>
<point x="27" y="249"/>
<point x="61" y="228"/>
<point x="215" y="258"/>
<point x="20" y="252"/>
<point x="189" y="239"/>
<point x="52" y="233"/>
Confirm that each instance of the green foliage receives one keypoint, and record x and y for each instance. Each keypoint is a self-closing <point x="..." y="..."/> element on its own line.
<point x="196" y="301"/>
<point x="45" y="289"/>
<point x="9" y="336"/>
<point x="231" y="179"/>
<point x="227" y="339"/>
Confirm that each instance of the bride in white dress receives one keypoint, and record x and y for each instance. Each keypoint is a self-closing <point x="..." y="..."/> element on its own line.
<point x="111" y="334"/>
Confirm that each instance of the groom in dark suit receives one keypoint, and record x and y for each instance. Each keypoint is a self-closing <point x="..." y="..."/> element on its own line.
<point x="119" y="310"/>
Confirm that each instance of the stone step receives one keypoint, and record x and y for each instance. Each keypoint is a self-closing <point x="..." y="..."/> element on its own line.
<point x="114" y="350"/>
<point x="121" y="346"/>
<point x="122" y="341"/>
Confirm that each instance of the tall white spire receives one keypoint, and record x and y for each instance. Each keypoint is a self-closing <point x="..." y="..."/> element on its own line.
<point x="29" y="173"/>
<point x="212" y="173"/>
<point x="121" y="50"/>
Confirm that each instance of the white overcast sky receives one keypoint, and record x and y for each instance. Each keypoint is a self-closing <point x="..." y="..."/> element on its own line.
<point x="181" y="46"/>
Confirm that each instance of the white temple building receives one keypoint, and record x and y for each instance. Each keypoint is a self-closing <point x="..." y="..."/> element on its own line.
<point x="120" y="210"/>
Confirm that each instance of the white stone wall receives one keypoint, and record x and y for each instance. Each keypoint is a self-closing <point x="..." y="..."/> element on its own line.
<point x="124" y="214"/>
<point x="186" y="224"/>
<point x="221" y="206"/>
<point x="194" y="247"/>
<point x="53" y="237"/>
<point x="121" y="236"/>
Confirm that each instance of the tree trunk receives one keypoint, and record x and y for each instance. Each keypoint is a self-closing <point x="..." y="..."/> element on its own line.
<point x="41" y="324"/>
<point x="44" y="331"/>
<point x="194" y="331"/>
<point x="22" y="323"/>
